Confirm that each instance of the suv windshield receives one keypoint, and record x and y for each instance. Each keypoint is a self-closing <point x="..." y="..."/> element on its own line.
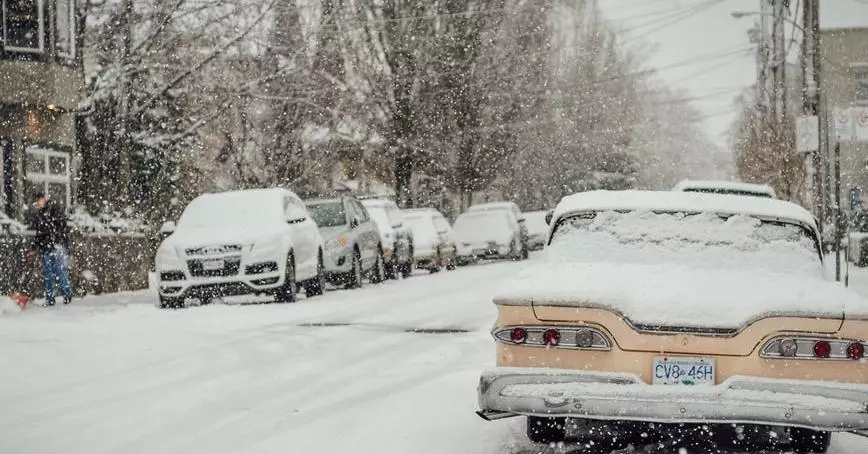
<point x="328" y="214"/>
<point x="229" y="209"/>
<point x="701" y="240"/>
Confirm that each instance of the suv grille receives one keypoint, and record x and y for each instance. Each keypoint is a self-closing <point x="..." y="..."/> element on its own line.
<point x="214" y="250"/>
<point x="230" y="268"/>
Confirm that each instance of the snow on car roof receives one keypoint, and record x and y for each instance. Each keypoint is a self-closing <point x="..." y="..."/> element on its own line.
<point x="491" y="206"/>
<point x="633" y="200"/>
<point x="734" y="186"/>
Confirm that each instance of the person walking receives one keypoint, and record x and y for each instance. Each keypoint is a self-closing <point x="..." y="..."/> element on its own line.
<point x="52" y="244"/>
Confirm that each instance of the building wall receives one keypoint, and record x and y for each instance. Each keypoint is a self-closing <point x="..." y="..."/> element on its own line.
<point x="841" y="49"/>
<point x="39" y="91"/>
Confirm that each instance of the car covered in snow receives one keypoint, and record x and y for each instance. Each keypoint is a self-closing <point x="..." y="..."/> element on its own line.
<point x="513" y="208"/>
<point x="352" y="250"/>
<point x="434" y="239"/>
<point x="257" y="241"/>
<point x="490" y="234"/>
<point x="726" y="187"/>
<point x="674" y="309"/>
<point x="395" y="236"/>
<point x="537" y="229"/>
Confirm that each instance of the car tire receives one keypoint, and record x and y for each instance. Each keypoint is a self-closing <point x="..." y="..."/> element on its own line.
<point x="286" y="293"/>
<point x="354" y="278"/>
<point x="453" y="262"/>
<point x="437" y="265"/>
<point x="171" y="303"/>
<point x="392" y="268"/>
<point x="316" y="286"/>
<point x="407" y="268"/>
<point x="546" y="430"/>
<point x="525" y="251"/>
<point x="806" y="441"/>
<point x="378" y="272"/>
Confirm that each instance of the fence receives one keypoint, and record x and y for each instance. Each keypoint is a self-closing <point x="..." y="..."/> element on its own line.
<point x="98" y="263"/>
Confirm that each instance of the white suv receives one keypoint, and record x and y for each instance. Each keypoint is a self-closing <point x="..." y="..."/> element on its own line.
<point x="257" y="241"/>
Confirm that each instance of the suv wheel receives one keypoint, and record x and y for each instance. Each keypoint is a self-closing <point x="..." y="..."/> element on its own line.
<point x="286" y="292"/>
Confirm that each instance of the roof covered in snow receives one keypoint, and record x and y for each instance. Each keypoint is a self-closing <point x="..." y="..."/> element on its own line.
<point x="690" y="202"/>
<point x="724" y="186"/>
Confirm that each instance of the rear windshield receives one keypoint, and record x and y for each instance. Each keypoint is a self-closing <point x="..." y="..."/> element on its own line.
<point x="729" y="191"/>
<point x="328" y="214"/>
<point x="694" y="239"/>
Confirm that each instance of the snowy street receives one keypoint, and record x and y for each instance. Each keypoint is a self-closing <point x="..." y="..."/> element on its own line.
<point x="334" y="374"/>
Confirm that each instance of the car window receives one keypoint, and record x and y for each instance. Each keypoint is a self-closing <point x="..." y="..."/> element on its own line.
<point x="328" y="214"/>
<point x="294" y="208"/>
<point x="360" y="212"/>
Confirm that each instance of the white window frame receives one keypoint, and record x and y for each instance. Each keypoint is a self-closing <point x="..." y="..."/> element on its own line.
<point x="70" y="30"/>
<point x="41" y="20"/>
<point x="47" y="177"/>
<point x="860" y="67"/>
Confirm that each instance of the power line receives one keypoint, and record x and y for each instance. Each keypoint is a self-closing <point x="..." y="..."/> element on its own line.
<point x="675" y="19"/>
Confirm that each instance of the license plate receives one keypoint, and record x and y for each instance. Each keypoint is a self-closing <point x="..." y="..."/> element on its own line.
<point x="212" y="265"/>
<point x="682" y="370"/>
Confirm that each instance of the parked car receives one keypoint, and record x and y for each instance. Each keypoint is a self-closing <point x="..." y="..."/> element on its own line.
<point x="434" y="239"/>
<point x="726" y="187"/>
<point x="352" y="248"/>
<point x="486" y="235"/>
<point x="516" y="211"/>
<point x="395" y="236"/>
<point x="258" y="241"/>
<point x="699" y="311"/>
<point x="537" y="229"/>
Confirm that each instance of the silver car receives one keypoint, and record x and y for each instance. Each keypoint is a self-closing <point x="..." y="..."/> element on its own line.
<point x="395" y="236"/>
<point x="352" y="247"/>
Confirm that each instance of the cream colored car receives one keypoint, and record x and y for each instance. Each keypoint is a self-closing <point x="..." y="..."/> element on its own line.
<point x="653" y="310"/>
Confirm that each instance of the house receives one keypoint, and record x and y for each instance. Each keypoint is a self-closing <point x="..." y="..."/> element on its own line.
<point x="40" y="83"/>
<point x="844" y="82"/>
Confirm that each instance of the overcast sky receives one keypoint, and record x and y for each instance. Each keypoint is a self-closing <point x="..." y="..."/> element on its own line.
<point x="713" y="37"/>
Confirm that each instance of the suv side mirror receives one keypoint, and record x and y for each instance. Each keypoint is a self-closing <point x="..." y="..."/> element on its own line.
<point x="549" y="215"/>
<point x="354" y="222"/>
<point x="168" y="228"/>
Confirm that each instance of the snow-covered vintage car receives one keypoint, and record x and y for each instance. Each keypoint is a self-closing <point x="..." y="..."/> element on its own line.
<point x="673" y="307"/>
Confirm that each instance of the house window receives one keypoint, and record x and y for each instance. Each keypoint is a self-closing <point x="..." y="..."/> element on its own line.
<point x="860" y="76"/>
<point x="65" y="23"/>
<point x="48" y="171"/>
<point x="23" y="26"/>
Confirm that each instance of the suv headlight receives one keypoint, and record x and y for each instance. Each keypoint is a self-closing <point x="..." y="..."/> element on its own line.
<point x="167" y="257"/>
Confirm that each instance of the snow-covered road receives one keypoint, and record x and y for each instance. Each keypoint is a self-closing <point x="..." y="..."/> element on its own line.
<point x="353" y="371"/>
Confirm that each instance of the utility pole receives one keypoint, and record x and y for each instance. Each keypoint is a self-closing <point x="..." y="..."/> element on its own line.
<point x="778" y="59"/>
<point x="810" y="65"/>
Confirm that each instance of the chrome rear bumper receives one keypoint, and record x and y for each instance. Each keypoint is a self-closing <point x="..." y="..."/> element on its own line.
<point x="505" y="392"/>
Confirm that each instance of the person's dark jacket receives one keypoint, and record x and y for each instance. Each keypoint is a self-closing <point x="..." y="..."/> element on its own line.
<point x="50" y="225"/>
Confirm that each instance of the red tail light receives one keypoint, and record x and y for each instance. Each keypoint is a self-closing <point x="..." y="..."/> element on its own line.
<point x="856" y="350"/>
<point x="518" y="335"/>
<point x="822" y="349"/>
<point x="551" y="337"/>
